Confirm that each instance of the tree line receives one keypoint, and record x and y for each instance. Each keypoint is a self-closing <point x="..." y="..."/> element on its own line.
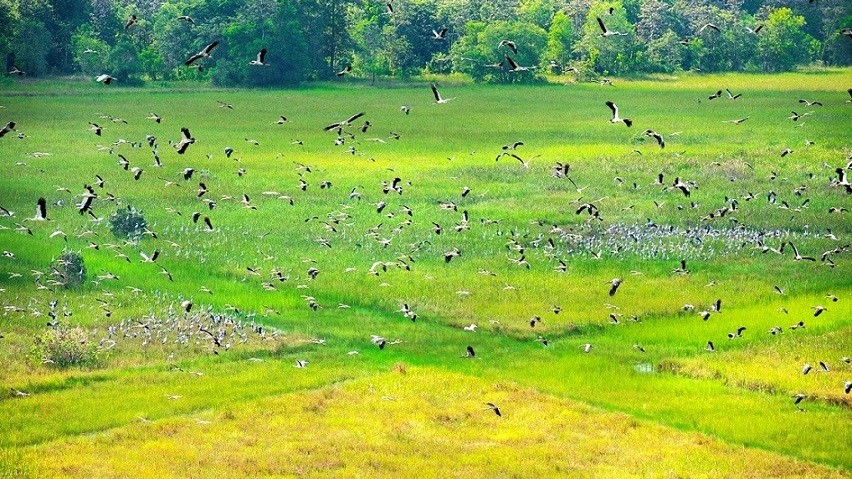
<point x="319" y="39"/>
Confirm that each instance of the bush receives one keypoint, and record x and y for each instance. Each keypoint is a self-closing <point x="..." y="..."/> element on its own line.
<point x="71" y="269"/>
<point x="64" y="347"/>
<point x="127" y="223"/>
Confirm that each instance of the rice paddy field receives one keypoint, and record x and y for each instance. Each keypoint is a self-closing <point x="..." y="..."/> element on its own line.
<point x="361" y="303"/>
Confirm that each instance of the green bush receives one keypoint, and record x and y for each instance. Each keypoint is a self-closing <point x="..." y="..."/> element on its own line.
<point x="64" y="347"/>
<point x="71" y="269"/>
<point x="127" y="223"/>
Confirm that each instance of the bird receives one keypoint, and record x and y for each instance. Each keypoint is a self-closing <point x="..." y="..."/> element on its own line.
<point x="683" y="187"/>
<point x="96" y="129"/>
<point x="105" y="79"/>
<point x="806" y="368"/>
<point x="16" y="71"/>
<point x="738" y="121"/>
<point x="301" y="363"/>
<point x="438" y="98"/>
<point x="718" y="94"/>
<point x="587" y="347"/>
<point x="756" y="29"/>
<point x="130" y="22"/>
<point x="810" y="103"/>
<point x="346" y="122"/>
<point x="710" y="26"/>
<point x="847" y="386"/>
<point x="819" y="310"/>
<point x="439" y="34"/>
<point x="204" y="53"/>
<point x="346" y="70"/>
<point x="8" y="128"/>
<point x="186" y="139"/>
<point x="710" y="347"/>
<point x="260" y="61"/>
<point x="470" y="353"/>
<point x="738" y="333"/>
<point x="155" y="117"/>
<point x="187" y="19"/>
<point x="614" y="284"/>
<point x="449" y="255"/>
<point x="606" y="32"/>
<point x="514" y="67"/>
<point x="731" y="96"/>
<point x="656" y="136"/>
<point x="509" y="44"/>
<point x="41" y="210"/>
<point x="496" y="409"/>
<point x="615" y="118"/>
<point x="796" y="255"/>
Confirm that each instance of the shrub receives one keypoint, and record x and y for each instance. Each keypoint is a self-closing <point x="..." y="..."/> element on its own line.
<point x="64" y="347"/>
<point x="71" y="269"/>
<point x="128" y="223"/>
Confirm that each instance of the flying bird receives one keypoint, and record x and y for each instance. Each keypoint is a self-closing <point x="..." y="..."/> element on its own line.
<point x="496" y="409"/>
<point x="439" y="34"/>
<point x="614" y="284"/>
<point x="105" y="79"/>
<point x="260" y="61"/>
<point x="186" y="139"/>
<point x="8" y="128"/>
<point x="615" y="118"/>
<point x="509" y="44"/>
<point x="346" y="70"/>
<point x="656" y="136"/>
<point x="607" y="32"/>
<point x="204" y="53"/>
<point x="438" y="98"/>
<point x="346" y="122"/>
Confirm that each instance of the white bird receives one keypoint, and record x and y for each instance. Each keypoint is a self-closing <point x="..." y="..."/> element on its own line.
<point x="606" y="31"/>
<point x="105" y="79"/>
<point x="260" y="61"/>
<point x="615" y="118"/>
<point x="204" y="53"/>
<point x="438" y="98"/>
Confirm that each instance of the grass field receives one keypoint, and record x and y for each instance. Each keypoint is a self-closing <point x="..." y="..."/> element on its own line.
<point x="647" y="400"/>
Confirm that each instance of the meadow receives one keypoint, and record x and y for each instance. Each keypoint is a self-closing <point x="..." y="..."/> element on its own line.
<point x="645" y="399"/>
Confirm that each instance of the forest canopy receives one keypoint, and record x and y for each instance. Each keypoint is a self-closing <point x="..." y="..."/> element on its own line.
<point x="497" y="41"/>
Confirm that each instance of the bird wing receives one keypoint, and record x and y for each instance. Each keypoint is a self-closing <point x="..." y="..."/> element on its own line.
<point x="354" y="117"/>
<point x="512" y="64"/>
<point x="185" y="134"/>
<point x="192" y="59"/>
<point x="209" y="48"/>
<point x="612" y="107"/>
<point x="601" y="23"/>
<point x="261" y="56"/>
<point x="438" y="95"/>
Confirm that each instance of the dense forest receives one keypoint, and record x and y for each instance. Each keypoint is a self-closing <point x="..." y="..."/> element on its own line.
<point x="135" y="41"/>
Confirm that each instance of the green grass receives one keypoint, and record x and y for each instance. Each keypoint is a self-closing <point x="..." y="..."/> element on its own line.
<point x="727" y="414"/>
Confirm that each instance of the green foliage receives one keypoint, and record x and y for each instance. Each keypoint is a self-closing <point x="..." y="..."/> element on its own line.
<point x="31" y="45"/>
<point x="127" y="223"/>
<point x="477" y="54"/>
<point x="662" y="55"/>
<point x="783" y="44"/>
<point x="70" y="269"/>
<point x="64" y="347"/>
<point x="560" y="39"/>
<point x="607" y="55"/>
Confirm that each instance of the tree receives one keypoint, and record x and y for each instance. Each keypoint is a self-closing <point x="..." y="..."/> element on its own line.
<point x="607" y="55"/>
<point x="560" y="39"/>
<point x="783" y="45"/>
<point x="662" y="55"/>
<point x="478" y="55"/>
